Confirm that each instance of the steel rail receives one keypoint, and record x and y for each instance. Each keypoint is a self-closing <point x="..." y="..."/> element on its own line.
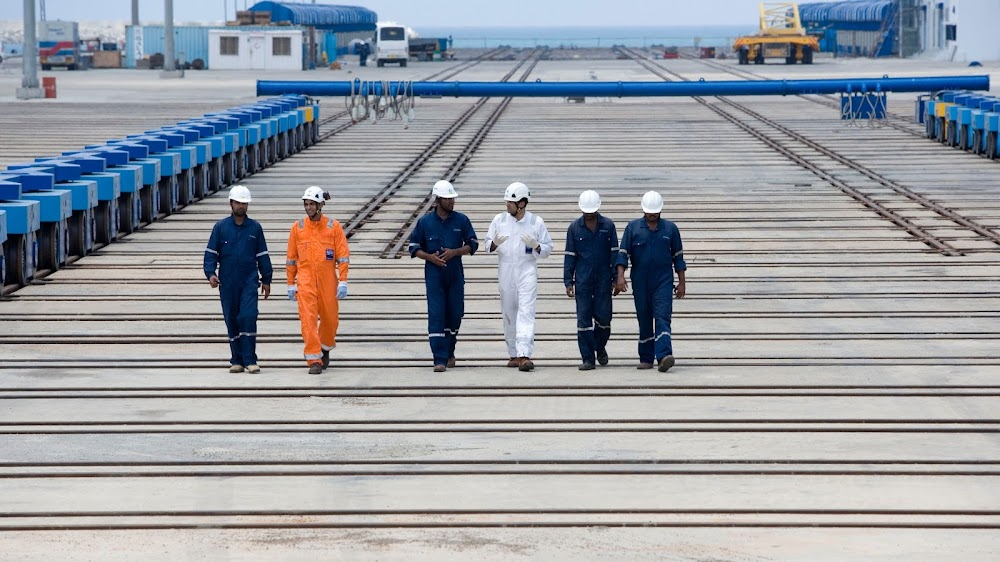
<point x="942" y="211"/>
<point x="529" y="461"/>
<point x="394" y="249"/>
<point x="571" y="469"/>
<point x="899" y="220"/>
<point x="819" y="389"/>
<point x="642" y="518"/>
<point x="358" y="220"/>
<point x="957" y="428"/>
<point x="507" y="422"/>
<point x="897" y="121"/>
<point x="559" y="392"/>
<point x="957" y="218"/>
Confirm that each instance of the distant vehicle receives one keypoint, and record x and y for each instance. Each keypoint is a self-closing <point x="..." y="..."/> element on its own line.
<point x="58" y="44"/>
<point x="781" y="36"/>
<point x="424" y="48"/>
<point x="391" y="44"/>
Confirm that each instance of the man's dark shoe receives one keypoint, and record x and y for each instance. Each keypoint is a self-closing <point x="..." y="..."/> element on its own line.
<point x="666" y="363"/>
<point x="602" y="357"/>
<point x="586" y="366"/>
<point x="326" y="358"/>
<point x="644" y="366"/>
<point x="526" y="365"/>
<point x="315" y="368"/>
<point x="514" y="363"/>
<point x="451" y="362"/>
<point x="440" y="368"/>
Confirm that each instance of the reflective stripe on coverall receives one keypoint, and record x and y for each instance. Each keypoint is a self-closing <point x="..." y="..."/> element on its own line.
<point x="517" y="271"/>
<point x="318" y="257"/>
<point x="240" y="253"/>
<point x="589" y="265"/>
<point x="445" y="285"/>
<point x="655" y="255"/>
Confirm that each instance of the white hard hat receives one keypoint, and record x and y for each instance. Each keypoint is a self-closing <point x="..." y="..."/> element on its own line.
<point x="652" y="202"/>
<point x="444" y="190"/>
<point x="590" y="201"/>
<point x="516" y="191"/>
<point x="313" y="193"/>
<point x="240" y="194"/>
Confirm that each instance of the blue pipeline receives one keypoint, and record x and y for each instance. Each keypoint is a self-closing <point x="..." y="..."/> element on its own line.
<point x="626" y="89"/>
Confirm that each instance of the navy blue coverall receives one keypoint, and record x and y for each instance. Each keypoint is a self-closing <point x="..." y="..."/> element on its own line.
<point x="240" y="253"/>
<point x="589" y="265"/>
<point x="445" y="285"/>
<point x="363" y="52"/>
<point x="655" y="255"/>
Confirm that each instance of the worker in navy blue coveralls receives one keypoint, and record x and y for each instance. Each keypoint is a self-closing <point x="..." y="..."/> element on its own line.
<point x="238" y="249"/>
<point x="363" y="51"/>
<point x="589" y="274"/>
<point x="441" y="238"/>
<point x="654" y="246"/>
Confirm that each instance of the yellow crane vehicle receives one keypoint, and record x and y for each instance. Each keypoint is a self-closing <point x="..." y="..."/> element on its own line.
<point x="781" y="35"/>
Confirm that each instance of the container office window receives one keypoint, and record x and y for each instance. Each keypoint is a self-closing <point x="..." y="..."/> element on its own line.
<point x="281" y="46"/>
<point x="229" y="46"/>
<point x="951" y="32"/>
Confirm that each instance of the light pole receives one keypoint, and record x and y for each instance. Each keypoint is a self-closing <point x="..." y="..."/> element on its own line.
<point x="29" y="80"/>
<point x="169" y="56"/>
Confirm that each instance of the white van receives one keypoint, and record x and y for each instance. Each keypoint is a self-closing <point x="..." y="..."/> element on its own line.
<point x="391" y="44"/>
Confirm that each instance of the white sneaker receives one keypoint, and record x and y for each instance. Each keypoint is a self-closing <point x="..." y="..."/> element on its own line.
<point x="236" y="369"/>
<point x="253" y="369"/>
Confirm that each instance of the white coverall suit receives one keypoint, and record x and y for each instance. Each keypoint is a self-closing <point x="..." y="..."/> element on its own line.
<point x="518" y="275"/>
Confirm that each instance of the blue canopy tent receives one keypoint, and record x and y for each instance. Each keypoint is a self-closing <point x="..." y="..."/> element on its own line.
<point x="867" y="28"/>
<point x="334" y="27"/>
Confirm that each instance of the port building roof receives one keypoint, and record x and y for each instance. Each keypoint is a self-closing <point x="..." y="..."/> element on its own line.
<point x="342" y="18"/>
<point x="861" y="11"/>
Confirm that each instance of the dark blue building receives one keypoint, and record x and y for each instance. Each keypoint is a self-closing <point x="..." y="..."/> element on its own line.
<point x="858" y="28"/>
<point x="334" y="27"/>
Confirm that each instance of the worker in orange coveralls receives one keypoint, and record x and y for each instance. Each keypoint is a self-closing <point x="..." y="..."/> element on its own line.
<point x="316" y="267"/>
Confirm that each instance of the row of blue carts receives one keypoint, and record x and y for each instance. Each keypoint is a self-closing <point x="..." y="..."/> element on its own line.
<point x="966" y="120"/>
<point x="57" y="209"/>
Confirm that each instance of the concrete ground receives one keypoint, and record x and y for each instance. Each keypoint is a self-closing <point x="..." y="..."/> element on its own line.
<point x="835" y="395"/>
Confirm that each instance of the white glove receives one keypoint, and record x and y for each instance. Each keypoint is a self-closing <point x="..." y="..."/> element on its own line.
<point x="292" y="291"/>
<point x="342" y="290"/>
<point x="529" y="241"/>
<point x="499" y="240"/>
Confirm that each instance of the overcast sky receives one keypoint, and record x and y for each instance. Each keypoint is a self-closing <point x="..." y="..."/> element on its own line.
<point x="436" y="13"/>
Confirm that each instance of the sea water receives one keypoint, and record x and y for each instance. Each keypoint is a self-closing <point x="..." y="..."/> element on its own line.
<point x="589" y="37"/>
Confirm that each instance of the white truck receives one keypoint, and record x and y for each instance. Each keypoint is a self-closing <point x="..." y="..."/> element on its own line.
<point x="391" y="44"/>
<point x="58" y="44"/>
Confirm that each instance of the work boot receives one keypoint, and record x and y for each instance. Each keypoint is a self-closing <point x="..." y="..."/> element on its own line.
<point x="526" y="365"/>
<point x="644" y="366"/>
<point x="602" y="357"/>
<point x="514" y="363"/>
<point x="666" y="363"/>
<point x="253" y="369"/>
<point x="451" y="362"/>
<point x="236" y="369"/>
<point x="326" y="358"/>
<point x="586" y="366"/>
<point x="315" y="368"/>
<point x="440" y="368"/>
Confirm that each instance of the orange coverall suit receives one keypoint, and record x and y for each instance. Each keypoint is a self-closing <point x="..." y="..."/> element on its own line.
<point x="318" y="257"/>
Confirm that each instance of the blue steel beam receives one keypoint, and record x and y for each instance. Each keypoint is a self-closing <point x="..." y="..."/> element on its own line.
<point x="627" y="89"/>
